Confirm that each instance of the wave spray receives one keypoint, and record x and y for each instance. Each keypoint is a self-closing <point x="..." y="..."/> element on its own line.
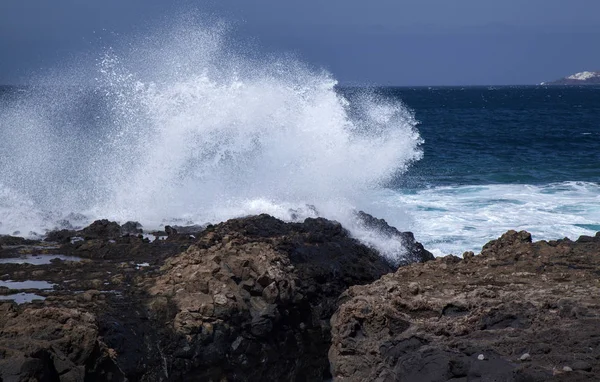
<point x="180" y="126"/>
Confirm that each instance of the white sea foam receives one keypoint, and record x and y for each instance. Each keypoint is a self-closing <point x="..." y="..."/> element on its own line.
<point x="188" y="128"/>
<point x="456" y="219"/>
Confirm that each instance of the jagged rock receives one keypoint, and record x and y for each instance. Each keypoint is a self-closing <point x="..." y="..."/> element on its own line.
<point x="7" y="240"/>
<point x="415" y="252"/>
<point x="62" y="236"/>
<point x="254" y="296"/>
<point x="101" y="229"/>
<point x="127" y="248"/>
<point x="50" y="344"/>
<point x="249" y="299"/>
<point x="189" y="229"/>
<point x="131" y="228"/>
<point x="430" y="322"/>
<point x="170" y="230"/>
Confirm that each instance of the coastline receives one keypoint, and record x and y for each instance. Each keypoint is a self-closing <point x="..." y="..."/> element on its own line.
<point x="253" y="297"/>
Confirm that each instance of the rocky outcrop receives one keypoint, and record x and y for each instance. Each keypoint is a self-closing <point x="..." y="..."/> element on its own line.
<point x="52" y="344"/>
<point x="248" y="299"/>
<point x="259" y="299"/>
<point x="253" y="297"/>
<point x="519" y="311"/>
<point x="414" y="251"/>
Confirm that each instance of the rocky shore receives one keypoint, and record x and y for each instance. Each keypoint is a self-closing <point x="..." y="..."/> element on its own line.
<point x="255" y="299"/>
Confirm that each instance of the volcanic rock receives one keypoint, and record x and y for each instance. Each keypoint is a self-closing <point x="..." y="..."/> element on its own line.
<point x="60" y="236"/>
<point x="189" y="229"/>
<point x="414" y="251"/>
<point x="131" y="228"/>
<point x="248" y="299"/>
<point x="7" y="240"/>
<point x="101" y="229"/>
<point x="253" y="297"/>
<point x="433" y="321"/>
<point x="51" y="344"/>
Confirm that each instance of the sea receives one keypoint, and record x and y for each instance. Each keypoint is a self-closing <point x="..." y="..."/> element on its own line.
<point x="182" y="127"/>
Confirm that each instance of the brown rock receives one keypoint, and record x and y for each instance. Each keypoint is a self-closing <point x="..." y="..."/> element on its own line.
<point x="431" y="321"/>
<point x="45" y="343"/>
<point x="274" y="287"/>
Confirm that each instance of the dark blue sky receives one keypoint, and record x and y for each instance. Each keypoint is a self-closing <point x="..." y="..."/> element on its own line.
<point x="388" y="42"/>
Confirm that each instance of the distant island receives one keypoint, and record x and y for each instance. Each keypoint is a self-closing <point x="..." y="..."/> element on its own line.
<point x="581" y="78"/>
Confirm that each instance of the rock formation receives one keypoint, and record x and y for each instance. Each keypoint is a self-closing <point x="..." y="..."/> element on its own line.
<point x="519" y="311"/>
<point x="253" y="297"/>
<point x="248" y="299"/>
<point x="256" y="299"/>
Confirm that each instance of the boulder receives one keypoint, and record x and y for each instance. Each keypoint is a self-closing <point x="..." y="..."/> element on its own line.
<point x="51" y="344"/>
<point x="62" y="236"/>
<point x="101" y="229"/>
<point x="7" y="240"/>
<point x="131" y="228"/>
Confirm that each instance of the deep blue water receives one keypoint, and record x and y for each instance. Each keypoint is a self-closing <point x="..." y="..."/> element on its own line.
<point x="499" y="135"/>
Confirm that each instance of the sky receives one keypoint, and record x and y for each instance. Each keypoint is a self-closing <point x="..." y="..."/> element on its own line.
<point x="361" y="42"/>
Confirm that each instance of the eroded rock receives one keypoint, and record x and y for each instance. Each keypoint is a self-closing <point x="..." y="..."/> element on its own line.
<point x="254" y="297"/>
<point x="433" y="321"/>
<point x="249" y="299"/>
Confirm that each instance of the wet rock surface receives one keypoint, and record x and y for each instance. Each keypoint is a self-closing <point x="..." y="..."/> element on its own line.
<point x="519" y="311"/>
<point x="90" y="324"/>
<point x="415" y="252"/>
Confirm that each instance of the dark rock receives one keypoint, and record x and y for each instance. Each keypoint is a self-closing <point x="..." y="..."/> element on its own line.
<point x="415" y="252"/>
<point x="249" y="299"/>
<point x="14" y="240"/>
<point x="253" y="298"/>
<point x="268" y="287"/>
<point x="101" y="229"/>
<point x="63" y="236"/>
<point x="45" y="343"/>
<point x="581" y="365"/>
<point x="131" y="228"/>
<point x="170" y="230"/>
<point x="189" y="229"/>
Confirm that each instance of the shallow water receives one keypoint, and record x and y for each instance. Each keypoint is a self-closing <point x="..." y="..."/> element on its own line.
<point x="22" y="298"/>
<point x="38" y="259"/>
<point x="28" y="284"/>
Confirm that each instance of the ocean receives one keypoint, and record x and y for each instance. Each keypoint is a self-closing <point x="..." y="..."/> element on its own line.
<point x="500" y="158"/>
<point x="181" y="128"/>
